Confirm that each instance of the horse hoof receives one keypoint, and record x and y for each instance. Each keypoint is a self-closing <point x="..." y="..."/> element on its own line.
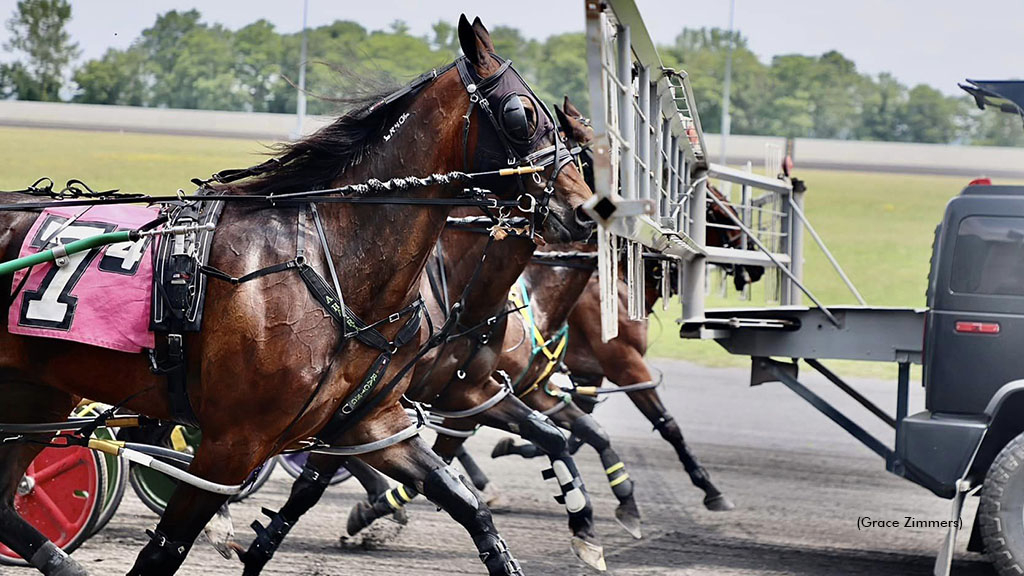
<point x="628" y="517"/>
<point x="503" y="447"/>
<point x="718" y="503"/>
<point x="591" y="554"/>
<point x="220" y="532"/>
<point x="359" y="518"/>
<point x="493" y="498"/>
<point x="374" y="537"/>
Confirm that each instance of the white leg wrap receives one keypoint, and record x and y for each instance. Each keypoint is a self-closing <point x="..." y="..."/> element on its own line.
<point x="574" y="499"/>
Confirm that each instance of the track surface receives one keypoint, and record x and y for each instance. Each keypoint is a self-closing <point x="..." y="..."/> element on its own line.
<point x="799" y="483"/>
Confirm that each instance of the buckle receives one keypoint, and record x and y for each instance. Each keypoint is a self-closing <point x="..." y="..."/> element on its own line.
<point x="529" y="207"/>
<point x="394" y="317"/>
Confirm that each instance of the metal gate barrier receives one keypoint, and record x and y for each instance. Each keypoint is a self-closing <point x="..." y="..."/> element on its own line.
<point x="652" y="171"/>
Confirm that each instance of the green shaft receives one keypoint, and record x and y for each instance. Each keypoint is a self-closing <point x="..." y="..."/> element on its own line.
<point x="83" y="245"/>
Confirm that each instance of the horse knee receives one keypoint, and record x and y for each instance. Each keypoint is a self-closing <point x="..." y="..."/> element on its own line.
<point x="668" y="428"/>
<point x="446" y="488"/>
<point x="540" y="430"/>
<point x="588" y="430"/>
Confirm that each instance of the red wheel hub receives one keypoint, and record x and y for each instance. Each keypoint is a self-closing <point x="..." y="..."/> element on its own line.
<point x="58" y="494"/>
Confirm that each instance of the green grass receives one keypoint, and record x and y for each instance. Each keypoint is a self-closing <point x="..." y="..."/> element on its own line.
<point x="150" y="163"/>
<point x="879" y="226"/>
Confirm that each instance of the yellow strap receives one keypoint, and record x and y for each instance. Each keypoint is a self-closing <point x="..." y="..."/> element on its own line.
<point x="617" y="481"/>
<point x="405" y="495"/>
<point x="106" y="446"/>
<point x="615" y="467"/>
<point x="391" y="500"/>
<point x="178" y="439"/>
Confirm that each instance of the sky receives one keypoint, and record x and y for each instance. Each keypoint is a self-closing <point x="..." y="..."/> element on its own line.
<point x="935" y="42"/>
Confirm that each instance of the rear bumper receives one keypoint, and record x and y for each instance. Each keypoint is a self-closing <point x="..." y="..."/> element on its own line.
<point x="936" y="450"/>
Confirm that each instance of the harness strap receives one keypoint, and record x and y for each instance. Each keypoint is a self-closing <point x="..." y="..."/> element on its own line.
<point x="540" y="346"/>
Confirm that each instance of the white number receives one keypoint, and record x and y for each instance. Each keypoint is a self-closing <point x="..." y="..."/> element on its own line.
<point x="52" y="305"/>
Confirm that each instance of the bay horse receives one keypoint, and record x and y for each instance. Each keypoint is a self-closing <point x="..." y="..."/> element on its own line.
<point x="470" y="276"/>
<point x="269" y="350"/>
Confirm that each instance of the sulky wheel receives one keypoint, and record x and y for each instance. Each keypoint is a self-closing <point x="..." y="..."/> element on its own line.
<point x="61" y="495"/>
<point x="155" y="489"/>
<point x="1001" y="512"/>
<point x="293" y="463"/>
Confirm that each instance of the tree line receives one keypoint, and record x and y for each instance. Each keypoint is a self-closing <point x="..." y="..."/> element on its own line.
<point x="183" y="62"/>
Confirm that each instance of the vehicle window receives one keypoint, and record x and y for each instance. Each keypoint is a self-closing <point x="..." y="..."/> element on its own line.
<point x="989" y="256"/>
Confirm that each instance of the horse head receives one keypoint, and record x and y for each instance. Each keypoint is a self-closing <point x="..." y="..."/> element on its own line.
<point x="729" y="237"/>
<point x="520" y="130"/>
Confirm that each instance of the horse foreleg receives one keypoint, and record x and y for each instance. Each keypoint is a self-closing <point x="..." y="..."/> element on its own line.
<point x="190" y="509"/>
<point x="307" y="490"/>
<point x="512" y="415"/>
<point x="584" y="427"/>
<point x="453" y="447"/>
<point x="415" y="465"/>
<point x="29" y="403"/>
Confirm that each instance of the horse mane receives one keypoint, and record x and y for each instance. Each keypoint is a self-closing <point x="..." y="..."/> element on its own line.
<point x="315" y="161"/>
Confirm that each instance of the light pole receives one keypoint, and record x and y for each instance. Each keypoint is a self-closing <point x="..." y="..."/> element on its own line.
<point x="727" y="85"/>
<point x="300" y="108"/>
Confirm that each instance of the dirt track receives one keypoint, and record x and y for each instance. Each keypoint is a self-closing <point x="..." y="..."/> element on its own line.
<point x="799" y="484"/>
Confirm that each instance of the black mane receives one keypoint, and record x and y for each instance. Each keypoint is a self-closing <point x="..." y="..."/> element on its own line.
<point x="317" y="160"/>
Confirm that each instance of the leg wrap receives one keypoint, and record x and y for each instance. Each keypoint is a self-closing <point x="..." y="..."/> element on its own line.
<point x="591" y="432"/>
<point x="267" y="539"/>
<point x="160" y="556"/>
<point x="447" y="489"/>
<point x="573" y="495"/>
<point x="477" y="475"/>
<point x="52" y="561"/>
<point x="389" y="503"/>
<point x="540" y="430"/>
<point x="307" y="490"/>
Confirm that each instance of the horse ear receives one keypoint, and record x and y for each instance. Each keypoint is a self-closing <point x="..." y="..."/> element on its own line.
<point x="483" y="34"/>
<point x="563" y="121"/>
<point x="471" y="46"/>
<point x="570" y="108"/>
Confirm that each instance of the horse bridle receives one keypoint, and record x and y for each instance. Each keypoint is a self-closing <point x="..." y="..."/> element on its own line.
<point x="511" y="140"/>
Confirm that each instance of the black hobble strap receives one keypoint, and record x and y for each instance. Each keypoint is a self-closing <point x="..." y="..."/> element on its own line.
<point x="160" y="553"/>
<point x="268" y="538"/>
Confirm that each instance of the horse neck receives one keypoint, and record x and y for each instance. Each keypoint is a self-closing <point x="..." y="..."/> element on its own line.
<point x="504" y="262"/>
<point x="380" y="250"/>
<point x="554" y="291"/>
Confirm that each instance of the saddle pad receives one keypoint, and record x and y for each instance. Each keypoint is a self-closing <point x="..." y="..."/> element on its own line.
<point x="100" y="297"/>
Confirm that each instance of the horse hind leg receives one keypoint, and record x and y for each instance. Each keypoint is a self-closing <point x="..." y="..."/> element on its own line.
<point x="414" y="464"/>
<point x="382" y="501"/>
<point x="714" y="500"/>
<point x="584" y="426"/>
<point x="33" y="404"/>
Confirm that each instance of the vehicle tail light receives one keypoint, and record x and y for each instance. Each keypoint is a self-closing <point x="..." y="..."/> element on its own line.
<point x="964" y="327"/>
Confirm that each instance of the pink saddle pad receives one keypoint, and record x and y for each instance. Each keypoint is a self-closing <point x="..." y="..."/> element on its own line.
<point x="100" y="297"/>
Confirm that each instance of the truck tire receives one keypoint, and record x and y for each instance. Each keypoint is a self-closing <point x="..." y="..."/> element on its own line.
<point x="1001" y="512"/>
